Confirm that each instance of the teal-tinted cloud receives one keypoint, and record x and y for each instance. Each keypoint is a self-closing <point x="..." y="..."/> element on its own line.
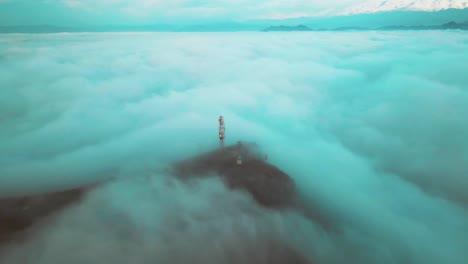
<point x="371" y="126"/>
<point x="73" y="12"/>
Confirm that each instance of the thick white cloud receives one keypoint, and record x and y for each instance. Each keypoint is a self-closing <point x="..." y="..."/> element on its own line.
<point x="369" y="124"/>
<point x="373" y="6"/>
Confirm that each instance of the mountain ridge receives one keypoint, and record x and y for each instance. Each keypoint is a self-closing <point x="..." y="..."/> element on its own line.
<point x="445" y="26"/>
<point x="362" y="21"/>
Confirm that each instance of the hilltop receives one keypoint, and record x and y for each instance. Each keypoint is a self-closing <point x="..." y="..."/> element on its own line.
<point x="267" y="184"/>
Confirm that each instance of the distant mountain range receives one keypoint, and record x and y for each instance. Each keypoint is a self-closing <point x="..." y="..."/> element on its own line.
<point x="392" y="20"/>
<point x="450" y="25"/>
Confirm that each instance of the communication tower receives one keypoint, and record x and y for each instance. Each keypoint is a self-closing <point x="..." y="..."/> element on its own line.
<point x="221" y="132"/>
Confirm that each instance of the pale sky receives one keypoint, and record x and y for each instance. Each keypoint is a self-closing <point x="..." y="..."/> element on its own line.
<point x="85" y="12"/>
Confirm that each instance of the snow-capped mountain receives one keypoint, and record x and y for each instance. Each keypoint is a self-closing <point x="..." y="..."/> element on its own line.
<point x="373" y="6"/>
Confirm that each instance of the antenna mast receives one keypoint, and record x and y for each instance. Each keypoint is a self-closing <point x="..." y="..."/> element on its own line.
<point x="221" y="132"/>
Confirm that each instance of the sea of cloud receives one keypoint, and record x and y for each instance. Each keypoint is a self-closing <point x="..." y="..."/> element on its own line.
<point x="372" y="127"/>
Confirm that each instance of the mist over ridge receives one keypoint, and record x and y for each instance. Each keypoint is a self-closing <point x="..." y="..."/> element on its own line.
<point x="371" y="126"/>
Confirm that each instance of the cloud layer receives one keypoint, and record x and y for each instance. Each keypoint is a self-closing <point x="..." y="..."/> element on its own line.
<point x="370" y="125"/>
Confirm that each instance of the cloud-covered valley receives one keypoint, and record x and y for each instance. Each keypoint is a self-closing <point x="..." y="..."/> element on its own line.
<point x="371" y="125"/>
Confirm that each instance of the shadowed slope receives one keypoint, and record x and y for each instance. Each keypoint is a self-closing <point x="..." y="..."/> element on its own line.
<point x="20" y="214"/>
<point x="268" y="185"/>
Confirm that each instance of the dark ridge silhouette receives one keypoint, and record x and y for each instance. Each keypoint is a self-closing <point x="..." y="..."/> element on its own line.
<point x="288" y="28"/>
<point x="20" y="215"/>
<point x="267" y="184"/>
<point x="449" y="25"/>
